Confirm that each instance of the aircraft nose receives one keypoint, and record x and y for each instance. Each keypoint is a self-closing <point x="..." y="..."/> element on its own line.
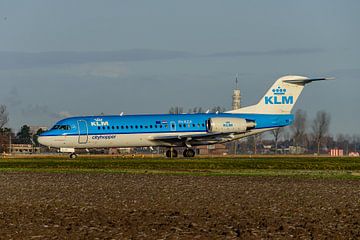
<point x="42" y="140"/>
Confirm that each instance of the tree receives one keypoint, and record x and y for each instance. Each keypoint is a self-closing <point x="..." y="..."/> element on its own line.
<point x="4" y="116"/>
<point x="298" y="127"/>
<point x="24" y="136"/>
<point x="276" y="133"/>
<point x="176" y="110"/>
<point x="253" y="141"/>
<point x="5" y="135"/>
<point x="36" y="136"/>
<point x="320" y="127"/>
<point x="218" y="109"/>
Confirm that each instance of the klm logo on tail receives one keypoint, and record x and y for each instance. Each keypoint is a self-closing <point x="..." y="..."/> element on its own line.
<point x="279" y="97"/>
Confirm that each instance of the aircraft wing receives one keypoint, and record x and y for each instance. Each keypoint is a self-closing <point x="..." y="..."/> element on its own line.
<point x="194" y="139"/>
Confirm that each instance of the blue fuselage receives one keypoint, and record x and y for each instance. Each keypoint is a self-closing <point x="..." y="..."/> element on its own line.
<point x="139" y="130"/>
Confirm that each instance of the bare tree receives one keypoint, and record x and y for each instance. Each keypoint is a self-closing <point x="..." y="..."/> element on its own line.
<point x="253" y="142"/>
<point x="176" y="110"/>
<point x="298" y="128"/>
<point x="4" y="116"/>
<point x="320" y="127"/>
<point x="217" y="109"/>
<point x="4" y="132"/>
<point x="276" y="133"/>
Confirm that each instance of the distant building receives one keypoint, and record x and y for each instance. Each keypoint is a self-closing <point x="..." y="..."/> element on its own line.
<point x="336" y="152"/>
<point x="23" y="149"/>
<point x="354" y="154"/>
<point x="295" y="150"/>
<point x="216" y="149"/>
<point x="236" y="97"/>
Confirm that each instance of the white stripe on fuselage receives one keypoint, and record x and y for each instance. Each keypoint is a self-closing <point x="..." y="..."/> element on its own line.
<point x="109" y="140"/>
<point x="123" y="140"/>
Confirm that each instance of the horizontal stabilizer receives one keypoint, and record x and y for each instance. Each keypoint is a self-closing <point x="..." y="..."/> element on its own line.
<point x="306" y="81"/>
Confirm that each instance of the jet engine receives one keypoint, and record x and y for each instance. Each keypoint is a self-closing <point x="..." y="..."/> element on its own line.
<point x="229" y="125"/>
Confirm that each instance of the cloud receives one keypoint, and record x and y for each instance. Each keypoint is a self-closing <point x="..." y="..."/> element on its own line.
<point x="277" y="52"/>
<point x="17" y="60"/>
<point x="109" y="70"/>
<point x="37" y="111"/>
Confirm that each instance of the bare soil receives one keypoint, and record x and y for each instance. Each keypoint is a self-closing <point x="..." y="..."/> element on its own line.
<point x="125" y="206"/>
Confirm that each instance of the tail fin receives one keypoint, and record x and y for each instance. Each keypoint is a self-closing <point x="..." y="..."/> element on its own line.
<point x="281" y="97"/>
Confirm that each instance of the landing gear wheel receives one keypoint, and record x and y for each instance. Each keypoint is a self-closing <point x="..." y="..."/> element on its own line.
<point x="174" y="153"/>
<point x="189" y="153"/>
<point x="73" y="155"/>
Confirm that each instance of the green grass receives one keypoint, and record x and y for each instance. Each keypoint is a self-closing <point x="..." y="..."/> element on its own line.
<point x="259" y="166"/>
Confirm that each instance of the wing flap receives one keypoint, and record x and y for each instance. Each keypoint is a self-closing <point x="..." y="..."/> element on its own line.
<point x="194" y="139"/>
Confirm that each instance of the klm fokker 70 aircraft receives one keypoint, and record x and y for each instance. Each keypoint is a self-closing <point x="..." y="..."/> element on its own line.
<point x="179" y="130"/>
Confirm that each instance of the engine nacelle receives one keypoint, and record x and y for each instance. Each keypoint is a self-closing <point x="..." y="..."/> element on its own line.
<point x="229" y="125"/>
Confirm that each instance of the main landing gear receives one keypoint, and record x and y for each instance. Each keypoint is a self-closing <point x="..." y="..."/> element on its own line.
<point x="73" y="155"/>
<point x="172" y="153"/>
<point x="188" y="152"/>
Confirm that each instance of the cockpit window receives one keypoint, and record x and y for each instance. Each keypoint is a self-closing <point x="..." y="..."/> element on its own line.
<point x="61" y="127"/>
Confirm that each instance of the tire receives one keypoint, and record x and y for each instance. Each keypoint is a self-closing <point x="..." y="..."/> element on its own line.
<point x="189" y="153"/>
<point x="73" y="155"/>
<point x="168" y="154"/>
<point x="174" y="154"/>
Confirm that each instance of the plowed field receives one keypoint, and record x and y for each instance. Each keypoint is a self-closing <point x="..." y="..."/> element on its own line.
<point x="144" y="206"/>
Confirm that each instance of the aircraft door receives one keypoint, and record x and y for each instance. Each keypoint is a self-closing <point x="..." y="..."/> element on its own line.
<point x="83" y="131"/>
<point x="172" y="126"/>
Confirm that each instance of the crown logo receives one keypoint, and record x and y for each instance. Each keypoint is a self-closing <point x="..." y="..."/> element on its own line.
<point x="279" y="91"/>
<point x="98" y="119"/>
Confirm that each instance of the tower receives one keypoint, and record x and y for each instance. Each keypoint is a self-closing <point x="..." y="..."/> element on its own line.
<point x="236" y="97"/>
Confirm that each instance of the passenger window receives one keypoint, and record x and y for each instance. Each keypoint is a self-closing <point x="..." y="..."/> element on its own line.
<point x="127" y="127"/>
<point x="150" y="126"/>
<point x="103" y="128"/>
<point x="203" y="125"/>
<point x="193" y="125"/>
<point x="112" y="127"/>
<point x="146" y="126"/>
<point x="141" y="126"/>
<point x="99" y="128"/>
<point x="108" y="127"/>
<point x="136" y="126"/>
<point x="155" y="126"/>
<point x="117" y="127"/>
<point x="160" y="126"/>
<point x="131" y="126"/>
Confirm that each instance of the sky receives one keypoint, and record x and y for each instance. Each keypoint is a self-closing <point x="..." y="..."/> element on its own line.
<point x="85" y="57"/>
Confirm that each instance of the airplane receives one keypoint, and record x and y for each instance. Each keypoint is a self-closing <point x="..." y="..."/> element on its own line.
<point x="179" y="130"/>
